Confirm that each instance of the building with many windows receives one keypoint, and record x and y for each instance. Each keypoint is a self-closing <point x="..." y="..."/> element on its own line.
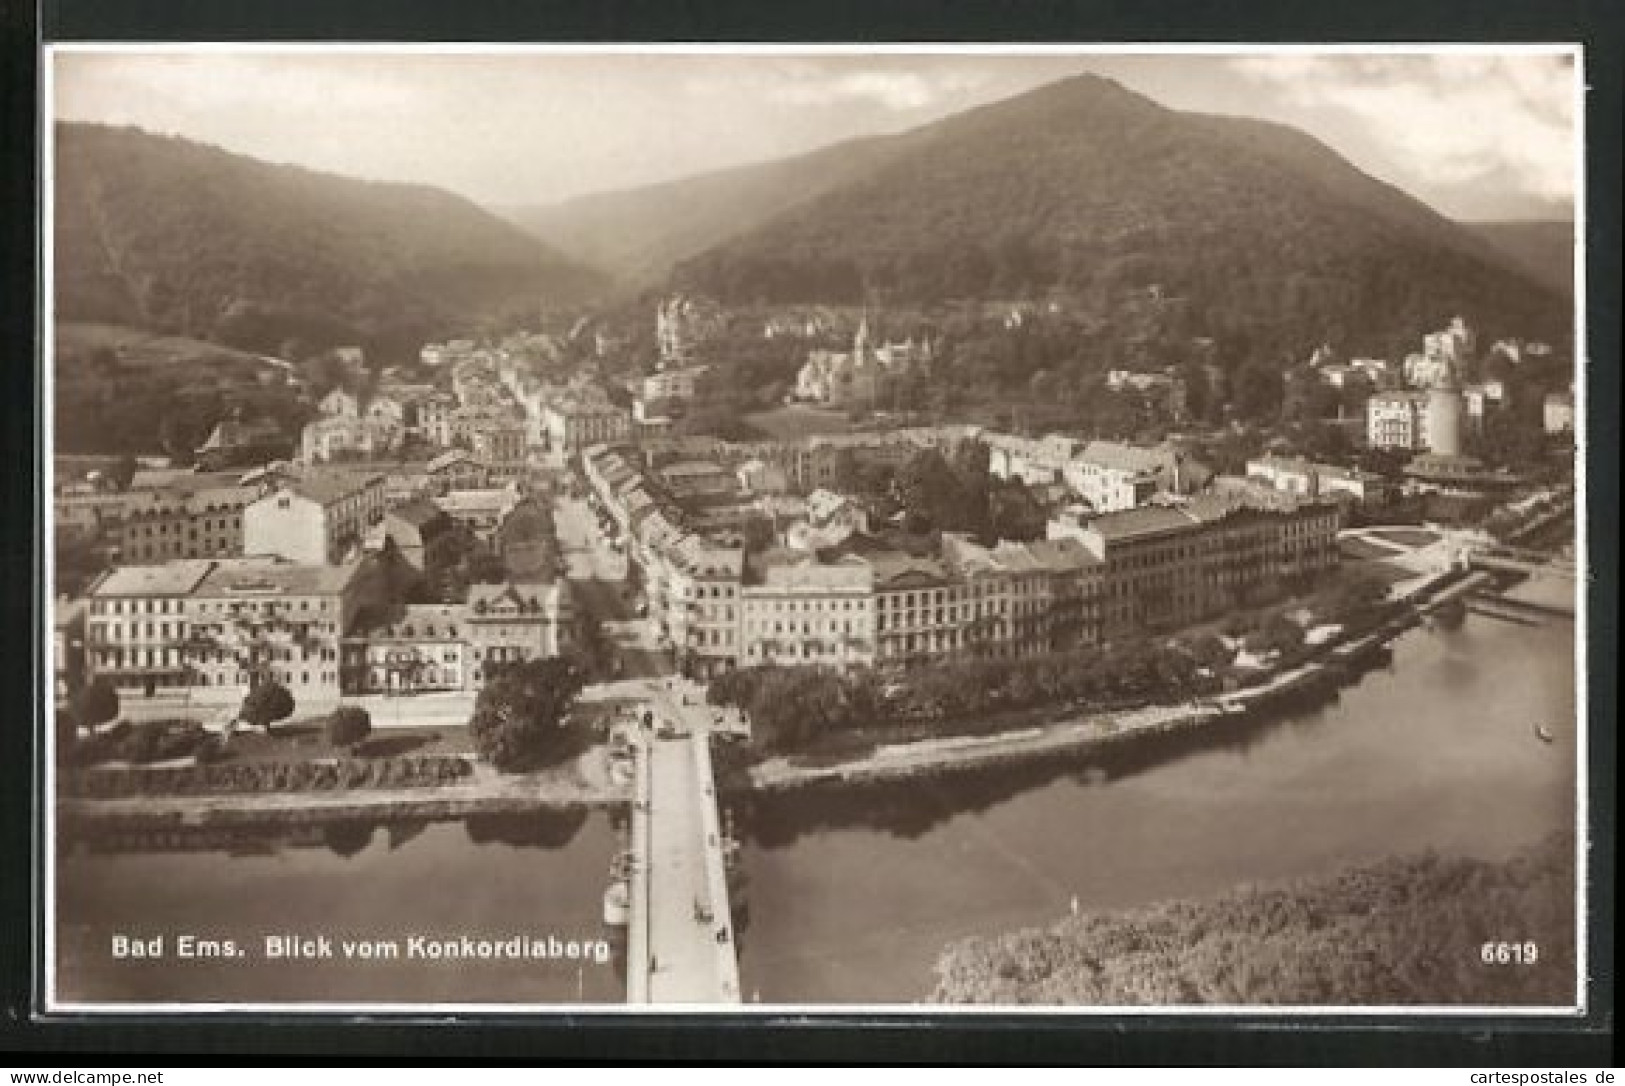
<point x="136" y="631"/>
<point x="1397" y="420"/>
<point x="411" y="648"/>
<point x="505" y="624"/>
<point x="179" y="521"/>
<point x="574" y="421"/>
<point x="336" y="437"/>
<point x="253" y="619"/>
<point x="315" y="519"/>
<point x="1171" y="566"/>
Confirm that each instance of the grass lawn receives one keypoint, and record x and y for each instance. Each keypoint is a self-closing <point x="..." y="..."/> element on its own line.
<point x="306" y="740"/>
<point x="795" y="421"/>
<point x="142" y="348"/>
<point x="1407" y="537"/>
<point x="1360" y="549"/>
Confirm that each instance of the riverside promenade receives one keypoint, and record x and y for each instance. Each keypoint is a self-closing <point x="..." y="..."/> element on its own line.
<point x="584" y="782"/>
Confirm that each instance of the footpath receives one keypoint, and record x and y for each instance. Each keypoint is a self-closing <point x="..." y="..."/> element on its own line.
<point x="585" y="782"/>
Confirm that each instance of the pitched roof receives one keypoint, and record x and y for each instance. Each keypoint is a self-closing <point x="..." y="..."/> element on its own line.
<point x="411" y="622"/>
<point x="447" y="458"/>
<point x="331" y="487"/>
<point x="416" y="512"/>
<point x="1118" y="456"/>
<point x="528" y="594"/>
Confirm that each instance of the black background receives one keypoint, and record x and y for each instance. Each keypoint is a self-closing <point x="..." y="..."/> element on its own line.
<point x="835" y="1037"/>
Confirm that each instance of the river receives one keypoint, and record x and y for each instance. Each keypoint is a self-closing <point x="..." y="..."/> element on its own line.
<point x="490" y="877"/>
<point x="854" y="894"/>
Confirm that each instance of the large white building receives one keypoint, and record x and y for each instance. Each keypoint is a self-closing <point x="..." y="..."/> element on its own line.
<point x="315" y="520"/>
<point x="860" y="376"/>
<point x="1397" y="420"/>
<point x="1557" y="413"/>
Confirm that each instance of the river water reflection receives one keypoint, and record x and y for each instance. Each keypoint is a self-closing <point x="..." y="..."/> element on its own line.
<point x="855" y="894"/>
<point x="487" y="877"/>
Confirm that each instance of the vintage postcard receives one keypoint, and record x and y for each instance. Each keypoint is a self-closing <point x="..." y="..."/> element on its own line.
<point x="1078" y="529"/>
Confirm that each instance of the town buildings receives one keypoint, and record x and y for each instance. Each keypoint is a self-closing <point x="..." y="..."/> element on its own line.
<point x="573" y="422"/>
<point x="1305" y="478"/>
<point x="682" y="324"/>
<point x="411" y="648"/>
<point x="252" y="619"/>
<point x="1398" y="420"/>
<point x="337" y="437"/>
<point x="506" y="624"/>
<point x="833" y="594"/>
<point x="862" y="376"/>
<point x="1113" y="476"/>
<point x="1169" y="566"/>
<point x="482" y="511"/>
<point x="316" y="519"/>
<point x="235" y="443"/>
<point x="186" y="516"/>
<point x="136" y="632"/>
<point x="1557" y="413"/>
<point x="413" y="527"/>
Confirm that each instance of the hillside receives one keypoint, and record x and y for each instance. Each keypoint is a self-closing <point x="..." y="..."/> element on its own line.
<point x="1087" y="190"/>
<point x="178" y="237"/>
<point x="1544" y="249"/>
<point x="638" y="234"/>
<point x="1405" y="930"/>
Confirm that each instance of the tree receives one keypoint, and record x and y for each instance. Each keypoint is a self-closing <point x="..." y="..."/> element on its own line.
<point x="348" y="725"/>
<point x="267" y="703"/>
<point x="120" y="474"/>
<point x="1350" y="601"/>
<point x="517" y="721"/>
<point x="96" y="704"/>
<point x="1278" y="634"/>
<point x="1259" y="391"/>
<point x="67" y="735"/>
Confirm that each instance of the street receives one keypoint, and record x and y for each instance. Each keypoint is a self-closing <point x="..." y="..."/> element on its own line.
<point x="690" y="929"/>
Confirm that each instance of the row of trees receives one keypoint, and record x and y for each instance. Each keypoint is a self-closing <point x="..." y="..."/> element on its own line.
<point x="793" y="708"/>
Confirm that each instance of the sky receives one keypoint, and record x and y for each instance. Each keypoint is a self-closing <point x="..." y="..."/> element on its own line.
<point x="1477" y="135"/>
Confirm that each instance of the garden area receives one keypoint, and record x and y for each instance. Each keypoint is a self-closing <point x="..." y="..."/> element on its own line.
<point x="816" y="714"/>
<point x="101" y="756"/>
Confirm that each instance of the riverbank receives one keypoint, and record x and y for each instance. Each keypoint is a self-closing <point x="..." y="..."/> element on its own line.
<point x="1339" y="662"/>
<point x="585" y="782"/>
<point x="1409" y="930"/>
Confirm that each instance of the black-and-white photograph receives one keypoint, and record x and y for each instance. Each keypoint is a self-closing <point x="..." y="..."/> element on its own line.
<point x="632" y="527"/>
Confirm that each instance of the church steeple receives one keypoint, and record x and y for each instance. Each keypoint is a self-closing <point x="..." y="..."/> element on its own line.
<point x="860" y="342"/>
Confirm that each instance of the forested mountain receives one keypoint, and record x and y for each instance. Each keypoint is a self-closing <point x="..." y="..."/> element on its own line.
<point x="1544" y="249"/>
<point x="1086" y="190"/>
<point x="174" y="236"/>
<point x="638" y="234"/>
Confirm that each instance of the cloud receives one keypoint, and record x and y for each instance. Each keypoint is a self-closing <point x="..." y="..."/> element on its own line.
<point x="897" y="91"/>
<point x="1448" y="120"/>
<point x="818" y="83"/>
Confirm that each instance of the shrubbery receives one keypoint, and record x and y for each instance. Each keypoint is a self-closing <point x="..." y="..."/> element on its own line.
<point x="148" y="741"/>
<point x="518" y="720"/>
<point x="261" y="777"/>
<point x="348" y="725"/>
<point x="794" y="707"/>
